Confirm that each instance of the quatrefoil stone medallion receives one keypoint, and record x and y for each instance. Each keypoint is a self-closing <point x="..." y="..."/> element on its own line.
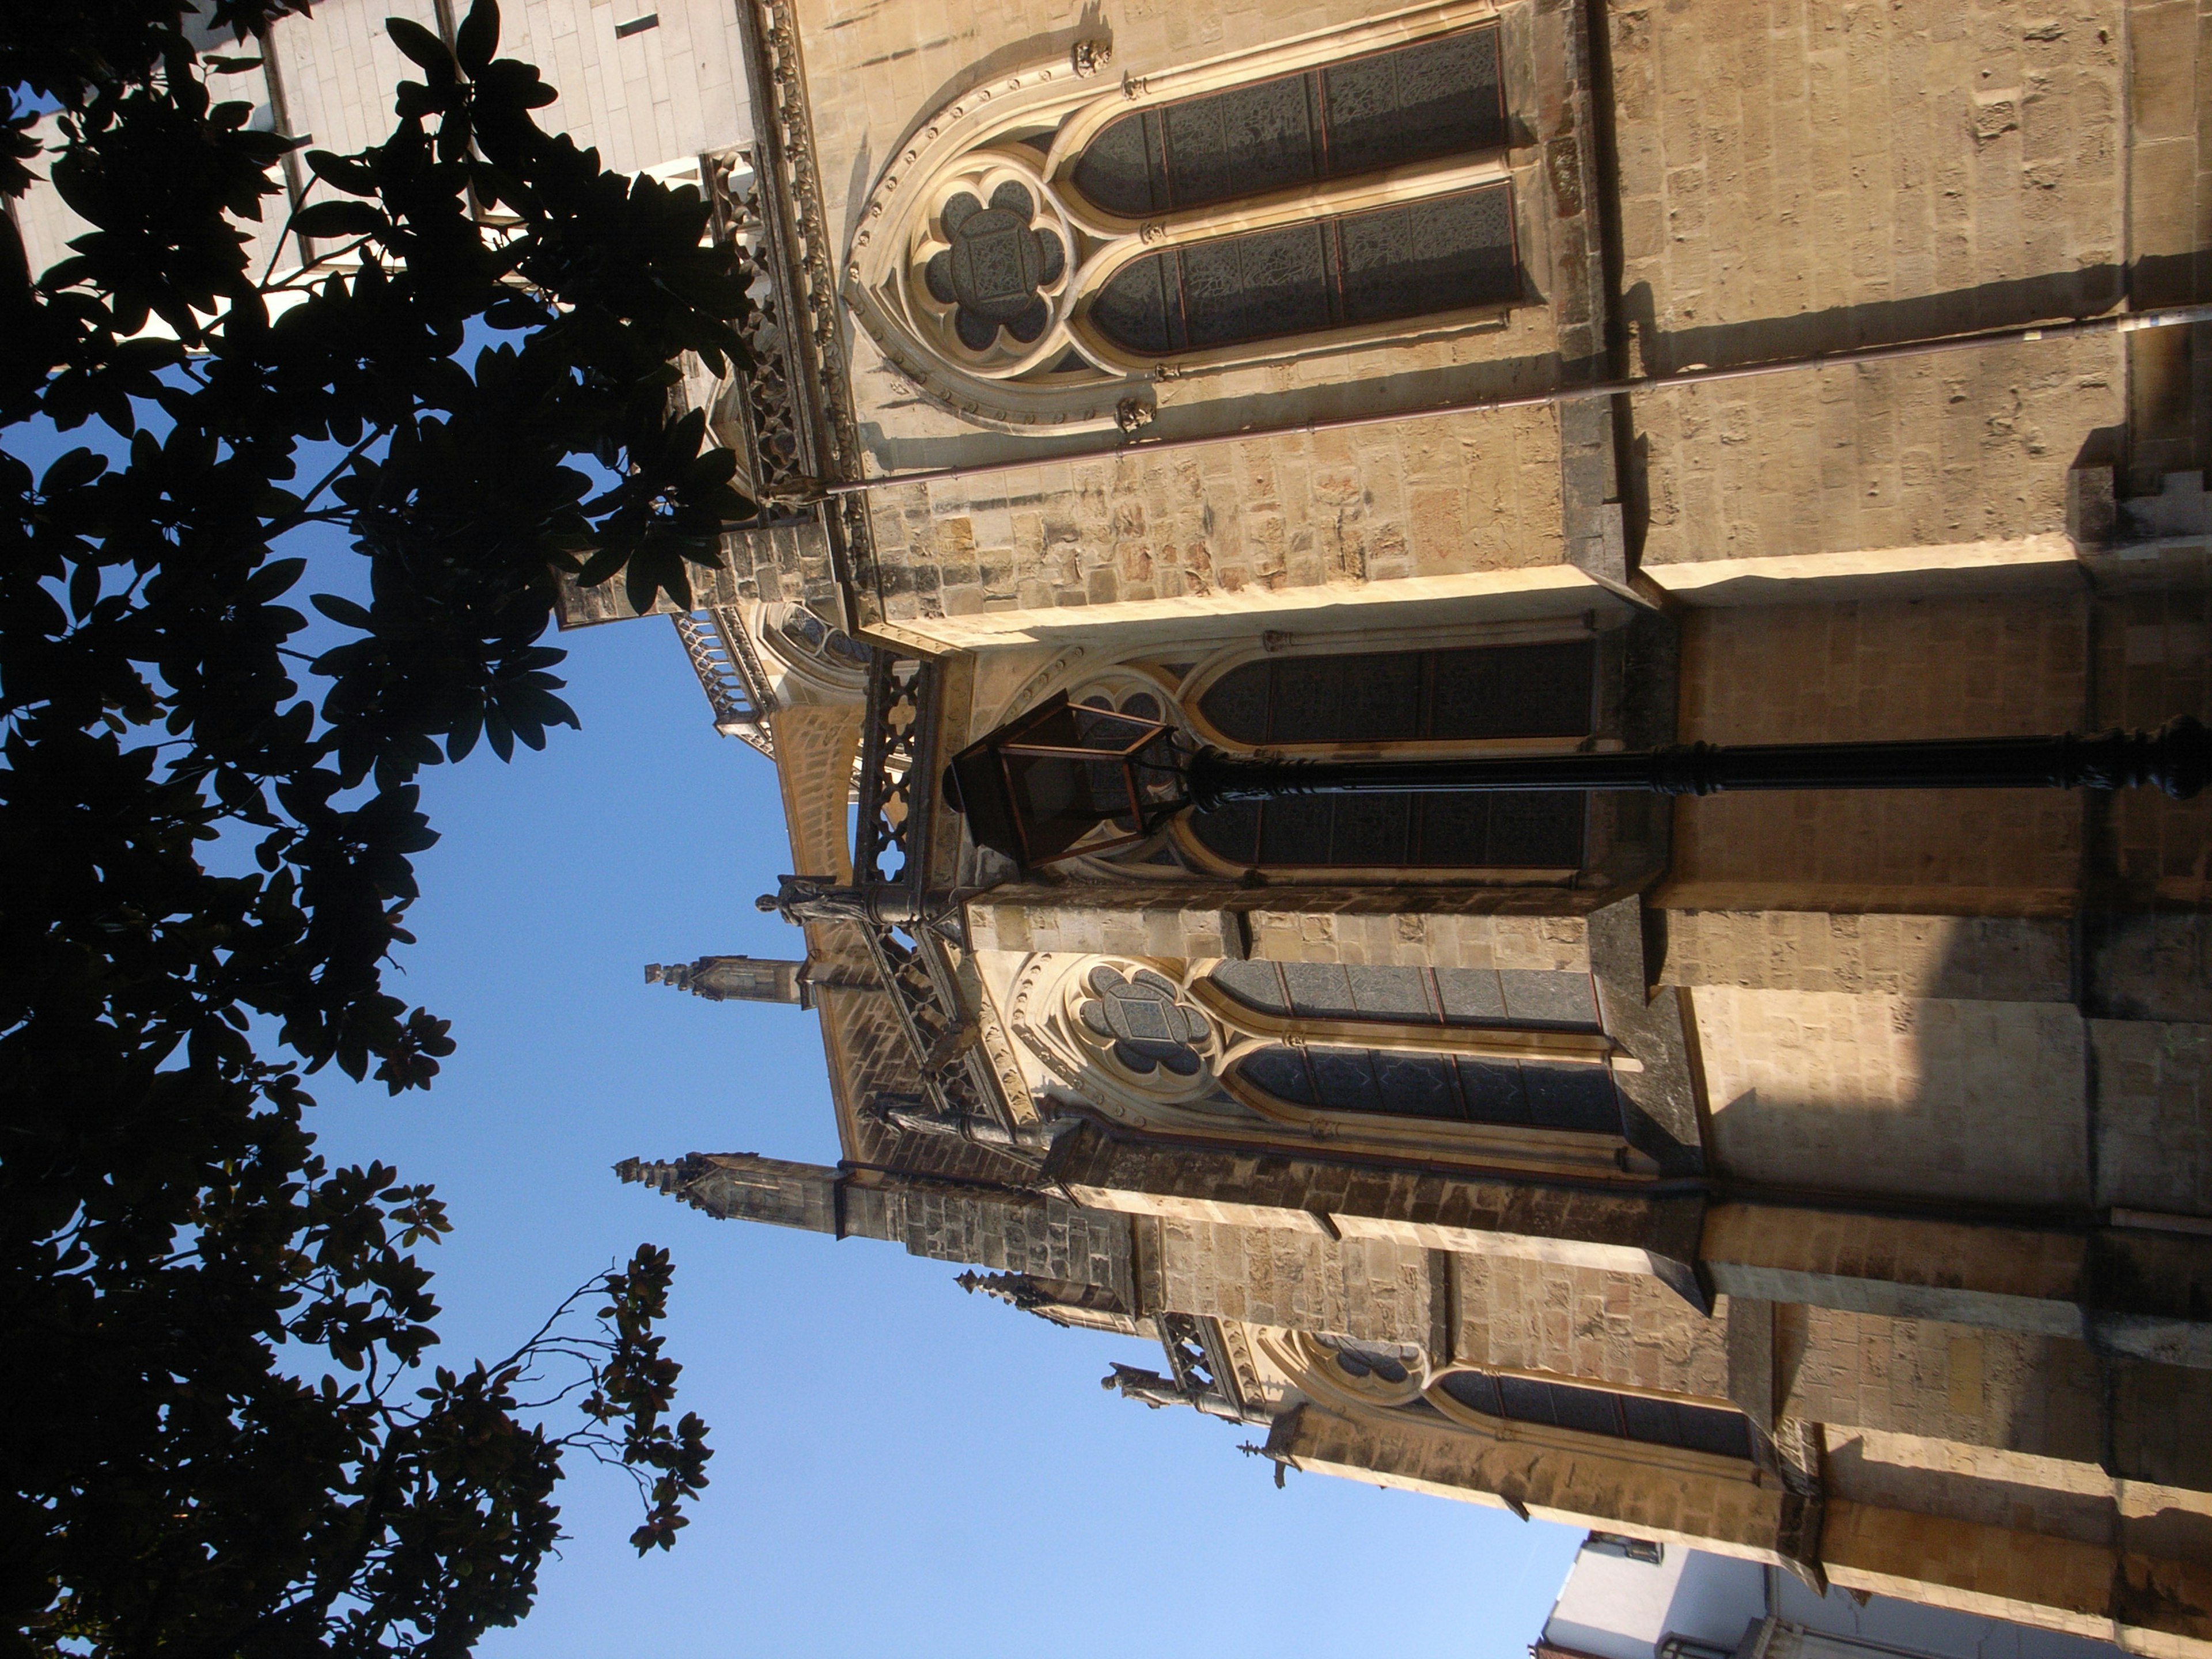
<point x="1146" y="1027"/>
<point x="996" y="265"/>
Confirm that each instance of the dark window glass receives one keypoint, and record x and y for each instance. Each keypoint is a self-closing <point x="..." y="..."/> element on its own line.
<point x="1510" y="1093"/>
<point x="1441" y="253"/>
<point x="1475" y="694"/>
<point x="1438" y="97"/>
<point x="1600" y="1411"/>
<point x="1406" y="696"/>
<point x="1540" y="831"/>
<point x="1414" y="996"/>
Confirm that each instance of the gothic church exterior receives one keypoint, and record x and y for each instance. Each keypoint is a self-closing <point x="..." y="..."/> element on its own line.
<point x="1821" y="1179"/>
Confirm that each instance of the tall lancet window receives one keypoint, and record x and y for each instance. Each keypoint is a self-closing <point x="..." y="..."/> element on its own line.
<point x="1481" y="695"/>
<point x="1049" y="239"/>
<point x="1387" y="110"/>
<point x="1511" y="1050"/>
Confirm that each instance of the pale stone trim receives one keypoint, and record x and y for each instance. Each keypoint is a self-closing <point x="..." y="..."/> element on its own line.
<point x="1519" y="592"/>
<point x="1895" y="572"/>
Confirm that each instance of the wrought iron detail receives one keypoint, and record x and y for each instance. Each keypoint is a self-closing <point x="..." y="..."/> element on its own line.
<point x="730" y="673"/>
<point x="908" y="926"/>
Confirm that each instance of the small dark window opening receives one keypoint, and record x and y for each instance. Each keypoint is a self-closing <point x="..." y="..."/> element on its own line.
<point x="637" y="25"/>
<point x="1600" y="1411"/>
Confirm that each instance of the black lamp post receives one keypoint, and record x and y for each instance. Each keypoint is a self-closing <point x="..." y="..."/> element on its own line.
<point x="1036" y="787"/>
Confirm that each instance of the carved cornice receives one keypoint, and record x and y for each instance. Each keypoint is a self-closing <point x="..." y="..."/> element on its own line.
<point x="802" y="267"/>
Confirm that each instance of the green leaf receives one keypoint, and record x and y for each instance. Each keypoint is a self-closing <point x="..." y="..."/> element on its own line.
<point x="355" y="177"/>
<point x="420" y="45"/>
<point x="341" y="609"/>
<point x="477" y="38"/>
<point x="339" y="219"/>
<point x="75" y="469"/>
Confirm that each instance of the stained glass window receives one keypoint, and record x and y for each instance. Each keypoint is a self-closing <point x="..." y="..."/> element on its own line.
<point x="1474" y="695"/>
<point x="1439" y="97"/>
<point x="1600" y="1411"/>
<point x="1419" y="258"/>
<point x="1458" y="1087"/>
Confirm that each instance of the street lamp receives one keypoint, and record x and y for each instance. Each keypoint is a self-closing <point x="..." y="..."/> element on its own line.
<point x="1034" y="789"/>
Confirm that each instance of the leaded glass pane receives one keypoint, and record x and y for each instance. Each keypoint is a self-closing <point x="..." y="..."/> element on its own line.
<point x="1237" y="703"/>
<point x="1541" y="828"/>
<point x="1399" y="994"/>
<point x="1433" y="97"/>
<point x="1591" y="1410"/>
<point x="1345" y="1079"/>
<point x="1119" y="168"/>
<point x="1295" y="832"/>
<point x="1244" y="142"/>
<point x="1577" y="1097"/>
<point x="1380" y="695"/>
<point x="1441" y="253"/>
<point x="1525" y="1399"/>
<point x="1132" y="310"/>
<point x="1237" y="289"/>
<point x="1372" y="829"/>
<point x="1280" y="1072"/>
<point x="1549" y="998"/>
<point x="1230" y="833"/>
<point x="1471" y="995"/>
<point x="1416" y="1085"/>
<point x="1319" y="990"/>
<point x="1493" y="1090"/>
<point x="1256" y="984"/>
<point x="1710" y="1429"/>
<point x="1655" y="1422"/>
<point x="1512" y="692"/>
<point x="1437" y="97"/>
<point x="1476" y="1391"/>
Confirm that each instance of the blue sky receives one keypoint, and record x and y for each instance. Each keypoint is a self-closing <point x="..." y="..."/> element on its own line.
<point x="900" y="1467"/>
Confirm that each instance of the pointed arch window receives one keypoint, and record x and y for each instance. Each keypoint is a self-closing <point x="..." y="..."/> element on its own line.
<point x="1655" y="1422"/>
<point x="1483" y="694"/>
<point x="1325" y="194"/>
<point x="1437" y="97"/>
<point x="1511" y="1050"/>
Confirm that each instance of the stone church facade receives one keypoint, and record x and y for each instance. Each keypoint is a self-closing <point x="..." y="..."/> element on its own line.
<point x="1820" y="1179"/>
<point x="1824" y="1180"/>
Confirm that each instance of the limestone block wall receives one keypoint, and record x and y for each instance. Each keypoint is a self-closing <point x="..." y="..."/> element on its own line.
<point x="1370" y="1289"/>
<point x="1920" y="1096"/>
<point x="2014" y="664"/>
<point x="1437" y="928"/>
<point x="2021" y="1393"/>
<point x="1993" y="959"/>
<point x="1238" y="521"/>
<point x="1624" y="1328"/>
<point x="1984" y="1484"/>
<point x="1652" y="1496"/>
<point x="1800" y="179"/>
<point x="2153" y="1082"/>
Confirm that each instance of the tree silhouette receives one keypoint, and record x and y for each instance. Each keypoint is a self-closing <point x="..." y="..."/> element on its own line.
<point x="219" y="1439"/>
